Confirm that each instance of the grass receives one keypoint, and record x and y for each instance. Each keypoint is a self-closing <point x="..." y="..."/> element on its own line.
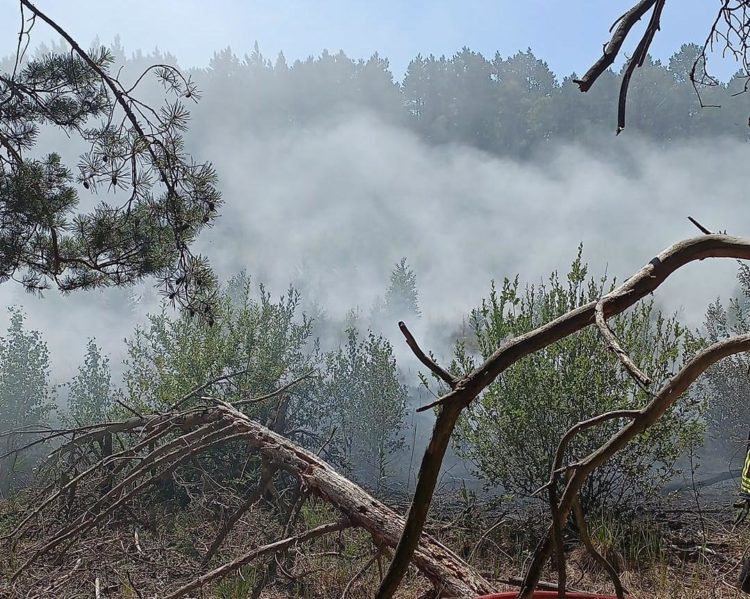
<point x="650" y="554"/>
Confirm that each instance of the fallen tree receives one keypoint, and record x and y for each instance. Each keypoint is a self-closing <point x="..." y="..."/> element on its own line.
<point x="165" y="441"/>
<point x="159" y="443"/>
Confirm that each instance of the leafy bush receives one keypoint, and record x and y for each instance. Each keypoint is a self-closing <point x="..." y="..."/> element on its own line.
<point x="25" y="399"/>
<point x="365" y="402"/>
<point x="512" y="431"/>
<point x="725" y="386"/>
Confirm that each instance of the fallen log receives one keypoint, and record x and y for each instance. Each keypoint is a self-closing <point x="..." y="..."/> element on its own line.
<point x="167" y="440"/>
<point x="453" y="576"/>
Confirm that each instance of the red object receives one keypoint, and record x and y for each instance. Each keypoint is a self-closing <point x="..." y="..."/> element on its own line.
<point x="546" y="595"/>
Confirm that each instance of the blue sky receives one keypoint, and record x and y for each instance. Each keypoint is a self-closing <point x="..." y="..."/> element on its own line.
<point x="568" y="34"/>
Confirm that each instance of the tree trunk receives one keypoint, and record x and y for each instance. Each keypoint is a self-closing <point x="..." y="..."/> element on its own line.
<point x="450" y="574"/>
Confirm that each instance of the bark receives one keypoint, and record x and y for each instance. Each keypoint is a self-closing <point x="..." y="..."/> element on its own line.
<point x="642" y="283"/>
<point x="453" y="576"/>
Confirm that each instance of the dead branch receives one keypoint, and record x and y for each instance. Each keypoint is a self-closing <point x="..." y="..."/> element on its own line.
<point x="642" y="283"/>
<point x="635" y="61"/>
<point x="267" y="473"/>
<point x="598" y="557"/>
<point x="274" y="547"/>
<point x="640" y="377"/>
<point x="434" y="367"/>
<point x="700" y="227"/>
<point x="647" y="416"/>
<point x="195" y="431"/>
<point x="200" y="388"/>
<point x="359" y="574"/>
<point x="279" y="391"/>
<point x="730" y="29"/>
<point x="622" y="28"/>
<point x="624" y="24"/>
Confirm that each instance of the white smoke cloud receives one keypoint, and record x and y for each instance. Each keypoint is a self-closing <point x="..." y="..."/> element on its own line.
<point x="333" y="208"/>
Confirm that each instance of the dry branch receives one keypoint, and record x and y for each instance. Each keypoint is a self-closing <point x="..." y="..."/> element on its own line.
<point x="623" y="26"/>
<point x="435" y="368"/>
<point x="647" y="416"/>
<point x="642" y="283"/>
<point x="640" y="377"/>
<point x="197" y="430"/>
<point x="266" y="476"/>
<point x="248" y="557"/>
<point x="598" y="557"/>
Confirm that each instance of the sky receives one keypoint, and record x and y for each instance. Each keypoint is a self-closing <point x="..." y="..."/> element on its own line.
<point x="568" y="35"/>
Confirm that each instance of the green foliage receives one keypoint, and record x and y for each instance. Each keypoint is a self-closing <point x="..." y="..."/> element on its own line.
<point x="356" y="396"/>
<point x="629" y="540"/>
<point x="241" y="585"/>
<point x="508" y="106"/>
<point x="160" y="198"/>
<point x="511" y="432"/>
<point x="90" y="395"/>
<point x="364" y="400"/>
<point x="172" y="356"/>
<point x="725" y="386"/>
<point x="402" y="297"/>
<point x="267" y="342"/>
<point x="25" y="397"/>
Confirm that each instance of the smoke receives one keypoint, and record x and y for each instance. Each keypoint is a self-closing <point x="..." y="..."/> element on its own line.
<point x="332" y="208"/>
<point x="335" y="207"/>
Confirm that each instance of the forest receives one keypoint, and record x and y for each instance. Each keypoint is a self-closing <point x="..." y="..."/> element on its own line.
<point x="230" y="378"/>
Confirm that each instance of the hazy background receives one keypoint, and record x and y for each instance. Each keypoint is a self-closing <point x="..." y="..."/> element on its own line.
<point x="327" y="190"/>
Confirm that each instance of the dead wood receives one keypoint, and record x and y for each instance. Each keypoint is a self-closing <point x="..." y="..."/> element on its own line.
<point x="579" y="471"/>
<point x="274" y="547"/>
<point x="450" y="406"/>
<point x="181" y="437"/>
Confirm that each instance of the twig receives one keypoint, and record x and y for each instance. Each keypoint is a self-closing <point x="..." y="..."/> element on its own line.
<point x="266" y="475"/>
<point x="129" y="409"/>
<point x="640" y="377"/>
<point x="700" y="226"/>
<point x="437" y="370"/>
<point x="273" y="394"/>
<point x="359" y="574"/>
<point x="204" y="386"/>
<point x="236" y="564"/>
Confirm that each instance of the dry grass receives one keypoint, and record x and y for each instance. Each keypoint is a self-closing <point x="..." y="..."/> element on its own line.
<point x="659" y="558"/>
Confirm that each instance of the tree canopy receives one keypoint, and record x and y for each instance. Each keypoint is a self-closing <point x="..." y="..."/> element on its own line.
<point x="150" y="199"/>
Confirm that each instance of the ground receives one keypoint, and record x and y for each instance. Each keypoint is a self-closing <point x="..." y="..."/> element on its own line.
<point x="683" y="548"/>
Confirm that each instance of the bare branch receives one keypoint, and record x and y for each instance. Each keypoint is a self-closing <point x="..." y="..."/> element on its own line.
<point x="274" y="547"/>
<point x="359" y="574"/>
<point x="636" y="61"/>
<point x="200" y="388"/>
<point x="700" y="226"/>
<point x="253" y="498"/>
<point x="642" y="283"/>
<point x="437" y="370"/>
<point x="598" y="557"/>
<point x="160" y="453"/>
<point x="279" y="391"/>
<point x="640" y="377"/>
<point x="663" y="401"/>
<point x="612" y="48"/>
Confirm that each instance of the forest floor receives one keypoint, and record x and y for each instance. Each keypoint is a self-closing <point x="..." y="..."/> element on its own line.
<point x="677" y="550"/>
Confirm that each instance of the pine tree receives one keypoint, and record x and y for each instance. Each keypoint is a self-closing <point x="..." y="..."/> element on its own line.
<point x="25" y="397"/>
<point x="160" y="198"/>
<point x="402" y="298"/>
